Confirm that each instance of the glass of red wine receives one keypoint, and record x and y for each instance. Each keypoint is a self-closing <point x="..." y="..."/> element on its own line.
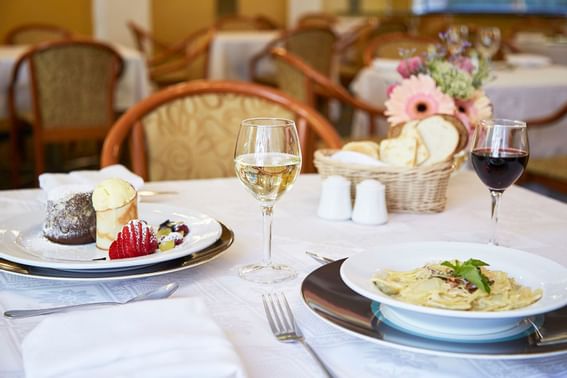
<point x="500" y="152"/>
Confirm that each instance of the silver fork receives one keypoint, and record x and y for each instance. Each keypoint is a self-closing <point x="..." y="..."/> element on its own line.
<point x="284" y="327"/>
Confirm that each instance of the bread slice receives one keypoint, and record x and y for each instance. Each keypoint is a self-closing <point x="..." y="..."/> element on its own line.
<point x="409" y="130"/>
<point x="399" y="151"/>
<point x="440" y="137"/>
<point x="365" y="147"/>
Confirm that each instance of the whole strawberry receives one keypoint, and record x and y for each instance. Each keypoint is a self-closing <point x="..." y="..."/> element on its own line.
<point x="136" y="239"/>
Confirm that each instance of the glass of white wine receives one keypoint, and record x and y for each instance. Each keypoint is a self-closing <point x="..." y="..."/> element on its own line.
<point x="267" y="160"/>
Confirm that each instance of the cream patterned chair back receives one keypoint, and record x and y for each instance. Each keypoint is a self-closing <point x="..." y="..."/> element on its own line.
<point x="194" y="136"/>
<point x="188" y="131"/>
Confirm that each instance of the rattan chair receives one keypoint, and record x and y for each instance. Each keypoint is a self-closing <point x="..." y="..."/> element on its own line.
<point x="549" y="171"/>
<point x="189" y="130"/>
<point x="72" y="84"/>
<point x="315" y="45"/>
<point x="303" y="82"/>
<point x="30" y="34"/>
<point x="240" y="22"/>
<point x="390" y="45"/>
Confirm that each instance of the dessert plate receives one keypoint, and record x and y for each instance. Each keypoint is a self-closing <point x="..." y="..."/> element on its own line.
<point x="527" y="269"/>
<point x="331" y="300"/>
<point x="94" y="275"/>
<point x="21" y="241"/>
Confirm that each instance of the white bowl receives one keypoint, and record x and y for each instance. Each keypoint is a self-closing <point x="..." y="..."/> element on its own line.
<point x="527" y="269"/>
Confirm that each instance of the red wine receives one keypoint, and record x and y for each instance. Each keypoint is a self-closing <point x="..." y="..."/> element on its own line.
<point x="501" y="168"/>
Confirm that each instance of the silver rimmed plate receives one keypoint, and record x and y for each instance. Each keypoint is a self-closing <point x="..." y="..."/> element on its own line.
<point x="329" y="298"/>
<point x="530" y="270"/>
<point x="21" y="241"/>
<point x="182" y="263"/>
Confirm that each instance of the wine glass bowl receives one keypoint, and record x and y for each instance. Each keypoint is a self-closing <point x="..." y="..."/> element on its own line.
<point x="267" y="161"/>
<point x="456" y="38"/>
<point x="488" y="41"/>
<point x="499" y="155"/>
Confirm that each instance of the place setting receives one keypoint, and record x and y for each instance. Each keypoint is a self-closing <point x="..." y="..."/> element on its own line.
<point x="68" y="242"/>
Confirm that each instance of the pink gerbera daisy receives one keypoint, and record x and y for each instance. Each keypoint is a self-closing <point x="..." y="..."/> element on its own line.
<point x="415" y="98"/>
<point x="473" y="110"/>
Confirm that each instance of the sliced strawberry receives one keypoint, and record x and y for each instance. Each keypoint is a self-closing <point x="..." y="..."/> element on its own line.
<point x="135" y="239"/>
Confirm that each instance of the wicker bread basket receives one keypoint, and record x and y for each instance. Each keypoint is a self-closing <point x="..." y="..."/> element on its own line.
<point x="408" y="190"/>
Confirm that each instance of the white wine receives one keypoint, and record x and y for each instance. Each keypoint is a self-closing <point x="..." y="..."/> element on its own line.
<point x="267" y="175"/>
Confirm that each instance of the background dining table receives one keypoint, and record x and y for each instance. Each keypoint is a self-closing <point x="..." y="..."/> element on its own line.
<point x="133" y="85"/>
<point x="515" y="92"/>
<point x="528" y="222"/>
<point x="231" y="52"/>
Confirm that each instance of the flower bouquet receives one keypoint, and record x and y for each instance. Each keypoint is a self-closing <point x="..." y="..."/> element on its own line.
<point x="440" y="84"/>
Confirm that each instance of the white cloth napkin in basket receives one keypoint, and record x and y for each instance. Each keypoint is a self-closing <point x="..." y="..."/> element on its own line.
<point x="48" y="181"/>
<point x="160" y="338"/>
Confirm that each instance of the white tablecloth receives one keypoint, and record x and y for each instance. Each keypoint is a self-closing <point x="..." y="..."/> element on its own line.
<point x="554" y="48"/>
<point x="231" y="51"/>
<point x="133" y="85"/>
<point x="520" y="93"/>
<point x="528" y="221"/>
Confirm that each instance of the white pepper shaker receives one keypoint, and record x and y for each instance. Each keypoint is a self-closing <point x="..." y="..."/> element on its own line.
<point x="370" y="204"/>
<point x="335" y="202"/>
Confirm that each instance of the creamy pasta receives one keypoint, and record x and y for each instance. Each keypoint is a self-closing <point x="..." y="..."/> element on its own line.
<point x="433" y="285"/>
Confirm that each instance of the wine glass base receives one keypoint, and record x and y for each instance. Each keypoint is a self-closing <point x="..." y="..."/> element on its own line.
<point x="266" y="274"/>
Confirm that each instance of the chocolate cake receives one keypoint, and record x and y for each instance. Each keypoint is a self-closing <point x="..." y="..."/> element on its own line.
<point x="70" y="217"/>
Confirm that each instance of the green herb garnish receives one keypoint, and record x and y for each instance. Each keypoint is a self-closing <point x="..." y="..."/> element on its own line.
<point x="470" y="271"/>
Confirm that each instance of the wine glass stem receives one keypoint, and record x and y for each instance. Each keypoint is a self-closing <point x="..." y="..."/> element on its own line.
<point x="496" y="196"/>
<point x="267" y="234"/>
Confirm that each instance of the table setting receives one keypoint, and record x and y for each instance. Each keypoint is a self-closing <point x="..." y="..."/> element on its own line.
<point x="389" y="262"/>
<point x="236" y="304"/>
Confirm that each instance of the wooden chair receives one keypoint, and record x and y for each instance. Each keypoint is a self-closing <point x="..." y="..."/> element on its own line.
<point x="549" y="171"/>
<point x="174" y="63"/>
<point x="30" y="34"/>
<point x="189" y="130"/>
<point x="315" y="45"/>
<point x="389" y="45"/>
<point x="303" y="82"/>
<point x="72" y="84"/>
<point x="241" y="22"/>
<point x="149" y="45"/>
<point x="169" y="68"/>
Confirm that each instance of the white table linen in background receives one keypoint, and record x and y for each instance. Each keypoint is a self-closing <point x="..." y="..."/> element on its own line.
<point x="528" y="221"/>
<point x="231" y="52"/>
<point x="133" y="85"/>
<point x="519" y="93"/>
<point x="173" y="337"/>
<point x="534" y="43"/>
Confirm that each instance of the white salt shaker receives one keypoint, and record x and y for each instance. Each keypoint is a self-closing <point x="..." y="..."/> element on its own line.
<point x="335" y="202"/>
<point x="370" y="204"/>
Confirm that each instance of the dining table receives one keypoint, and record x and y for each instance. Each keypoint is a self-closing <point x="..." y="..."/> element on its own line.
<point x="231" y="51"/>
<point x="133" y="84"/>
<point x="528" y="222"/>
<point x="554" y="48"/>
<point x="515" y="93"/>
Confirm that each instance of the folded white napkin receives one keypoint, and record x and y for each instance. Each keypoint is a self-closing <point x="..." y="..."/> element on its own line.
<point x="48" y="181"/>
<point x="161" y="338"/>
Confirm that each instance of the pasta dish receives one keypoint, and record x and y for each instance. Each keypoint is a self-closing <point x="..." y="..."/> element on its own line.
<point x="456" y="286"/>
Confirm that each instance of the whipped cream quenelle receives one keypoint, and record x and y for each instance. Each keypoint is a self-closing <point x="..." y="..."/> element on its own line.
<point x="115" y="202"/>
